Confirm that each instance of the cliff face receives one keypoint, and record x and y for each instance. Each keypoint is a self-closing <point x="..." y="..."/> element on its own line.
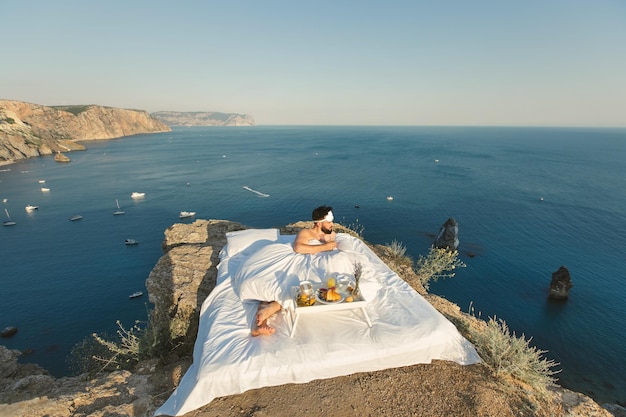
<point x="28" y="130"/>
<point x="173" y="118"/>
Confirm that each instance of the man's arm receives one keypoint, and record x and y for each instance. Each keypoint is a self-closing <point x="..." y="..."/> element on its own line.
<point x="301" y="244"/>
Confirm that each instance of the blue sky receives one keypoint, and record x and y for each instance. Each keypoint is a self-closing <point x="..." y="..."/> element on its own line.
<point x="523" y="63"/>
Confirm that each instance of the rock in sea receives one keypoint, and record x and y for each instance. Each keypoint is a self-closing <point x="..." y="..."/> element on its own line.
<point x="8" y="331"/>
<point x="60" y="157"/>
<point x="560" y="284"/>
<point x="448" y="236"/>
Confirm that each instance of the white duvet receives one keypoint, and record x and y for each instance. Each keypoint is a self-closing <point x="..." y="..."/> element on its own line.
<point x="406" y="329"/>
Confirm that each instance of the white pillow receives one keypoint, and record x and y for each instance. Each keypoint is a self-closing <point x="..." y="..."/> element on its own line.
<point x="240" y="240"/>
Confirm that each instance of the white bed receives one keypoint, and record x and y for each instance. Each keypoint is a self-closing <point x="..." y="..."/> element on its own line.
<point x="260" y="264"/>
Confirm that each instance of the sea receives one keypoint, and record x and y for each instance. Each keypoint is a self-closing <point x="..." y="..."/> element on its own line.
<point x="527" y="201"/>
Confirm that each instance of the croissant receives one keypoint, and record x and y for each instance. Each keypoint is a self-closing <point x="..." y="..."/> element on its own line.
<point x="332" y="295"/>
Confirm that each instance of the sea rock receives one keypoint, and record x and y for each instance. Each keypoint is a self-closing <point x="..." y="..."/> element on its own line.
<point x="448" y="236"/>
<point x="60" y="157"/>
<point x="8" y="331"/>
<point x="560" y="284"/>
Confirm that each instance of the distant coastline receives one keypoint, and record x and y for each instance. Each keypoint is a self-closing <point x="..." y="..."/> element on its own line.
<point x="28" y="130"/>
<point x="174" y="118"/>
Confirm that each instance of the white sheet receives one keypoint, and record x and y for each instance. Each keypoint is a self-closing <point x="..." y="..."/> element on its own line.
<point x="406" y="329"/>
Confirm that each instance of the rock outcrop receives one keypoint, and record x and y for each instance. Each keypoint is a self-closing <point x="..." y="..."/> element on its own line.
<point x="561" y="284"/>
<point x="28" y="130"/>
<point x="448" y="236"/>
<point x="175" y="118"/>
<point x="61" y="157"/>
<point x="185" y="275"/>
<point x="178" y="284"/>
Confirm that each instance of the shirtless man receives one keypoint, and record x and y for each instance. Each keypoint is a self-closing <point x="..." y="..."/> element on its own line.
<point x="319" y="238"/>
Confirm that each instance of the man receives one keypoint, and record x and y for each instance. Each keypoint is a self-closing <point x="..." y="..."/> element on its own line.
<point x="319" y="238"/>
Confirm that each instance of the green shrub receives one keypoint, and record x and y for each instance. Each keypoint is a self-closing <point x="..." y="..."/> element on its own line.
<point x="506" y="354"/>
<point x="75" y="110"/>
<point x="437" y="264"/>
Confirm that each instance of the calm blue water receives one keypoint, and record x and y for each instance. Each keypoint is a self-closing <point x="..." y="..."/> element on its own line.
<point x="61" y="280"/>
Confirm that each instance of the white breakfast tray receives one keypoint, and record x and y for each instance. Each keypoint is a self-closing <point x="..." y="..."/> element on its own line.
<point x="320" y="308"/>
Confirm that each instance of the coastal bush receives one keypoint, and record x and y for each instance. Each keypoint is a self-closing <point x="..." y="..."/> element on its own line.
<point x="506" y="354"/>
<point x="8" y="120"/>
<point x="396" y="248"/>
<point x="355" y="228"/>
<point x="75" y="110"/>
<point x="97" y="353"/>
<point x="395" y="255"/>
<point x="437" y="264"/>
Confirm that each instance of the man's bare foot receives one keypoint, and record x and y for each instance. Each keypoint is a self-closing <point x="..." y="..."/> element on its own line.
<point x="265" y="311"/>
<point x="262" y="330"/>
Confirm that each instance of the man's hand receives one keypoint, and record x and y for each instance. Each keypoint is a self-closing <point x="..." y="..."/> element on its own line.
<point x="330" y="237"/>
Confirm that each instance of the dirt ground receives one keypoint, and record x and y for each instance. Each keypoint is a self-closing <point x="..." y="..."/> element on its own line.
<point x="438" y="389"/>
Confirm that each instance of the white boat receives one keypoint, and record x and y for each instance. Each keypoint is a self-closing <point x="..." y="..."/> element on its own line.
<point x="4" y="200"/>
<point x="44" y="189"/>
<point x="42" y="181"/>
<point x="9" y="222"/>
<point x="389" y="198"/>
<point x="185" y="214"/>
<point x="75" y="217"/>
<point x="135" y="194"/>
<point x="118" y="211"/>
<point x="136" y="294"/>
<point x="130" y="242"/>
<point x="31" y="208"/>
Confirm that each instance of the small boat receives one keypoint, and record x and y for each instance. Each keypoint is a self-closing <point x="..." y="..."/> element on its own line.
<point x="185" y="214"/>
<point x="436" y="161"/>
<point x="4" y="200"/>
<point x="31" y="208"/>
<point x="135" y="194"/>
<point x="75" y="217"/>
<point x="389" y="198"/>
<point x="130" y="242"/>
<point x="44" y="189"/>
<point x="357" y="206"/>
<point x="136" y="294"/>
<point x="42" y="181"/>
<point x="118" y="211"/>
<point x="9" y="222"/>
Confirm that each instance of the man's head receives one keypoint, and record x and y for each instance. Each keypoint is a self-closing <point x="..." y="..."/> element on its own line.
<point x="323" y="217"/>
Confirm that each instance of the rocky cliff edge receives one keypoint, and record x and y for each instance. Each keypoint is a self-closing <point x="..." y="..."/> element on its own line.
<point x="177" y="286"/>
<point x="28" y="130"/>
